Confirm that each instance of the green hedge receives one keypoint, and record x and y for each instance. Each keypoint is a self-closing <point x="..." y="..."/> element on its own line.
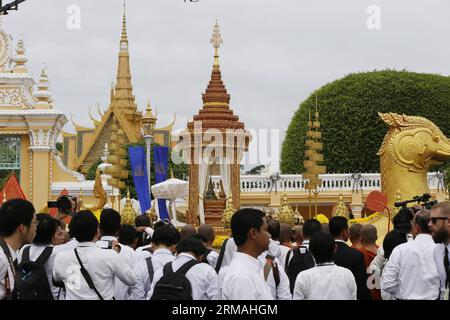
<point x="352" y="131"/>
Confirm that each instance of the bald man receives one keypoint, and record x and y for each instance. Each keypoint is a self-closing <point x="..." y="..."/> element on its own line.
<point x="187" y="231"/>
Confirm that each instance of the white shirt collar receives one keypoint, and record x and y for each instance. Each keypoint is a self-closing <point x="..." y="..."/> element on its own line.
<point x="339" y="240"/>
<point x="247" y="258"/>
<point x="108" y="238"/>
<point x="13" y="252"/>
<point x="162" y="251"/>
<point x="187" y="255"/>
<point x="86" y="244"/>
<point x="305" y="242"/>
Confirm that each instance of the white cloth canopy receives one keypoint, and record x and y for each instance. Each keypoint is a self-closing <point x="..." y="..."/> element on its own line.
<point x="171" y="189"/>
<point x="226" y="177"/>
<point x="203" y="167"/>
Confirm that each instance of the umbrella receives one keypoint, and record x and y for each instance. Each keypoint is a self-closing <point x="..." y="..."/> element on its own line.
<point x="171" y="189"/>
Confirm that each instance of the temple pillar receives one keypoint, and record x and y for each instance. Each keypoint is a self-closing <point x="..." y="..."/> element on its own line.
<point x="193" y="193"/>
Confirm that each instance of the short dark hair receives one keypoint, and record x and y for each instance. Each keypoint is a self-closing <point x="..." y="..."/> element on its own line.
<point x="200" y="237"/>
<point x="286" y="233"/>
<point x="166" y="235"/>
<point x="206" y="231"/>
<point x="13" y="213"/>
<point x="391" y="240"/>
<point x="187" y="231"/>
<point x="337" y="225"/>
<point x="64" y="204"/>
<point x="84" y="226"/>
<point x="191" y="244"/>
<point x="422" y="218"/>
<point x="402" y="220"/>
<point x="142" y="220"/>
<point x="128" y="234"/>
<point x="322" y="247"/>
<point x="311" y="227"/>
<point x="109" y="222"/>
<point x="273" y="227"/>
<point x="244" y="220"/>
<point x="45" y="230"/>
<point x="355" y="231"/>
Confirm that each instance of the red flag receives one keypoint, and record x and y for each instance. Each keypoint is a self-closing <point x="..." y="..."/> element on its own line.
<point x="54" y="211"/>
<point x="11" y="189"/>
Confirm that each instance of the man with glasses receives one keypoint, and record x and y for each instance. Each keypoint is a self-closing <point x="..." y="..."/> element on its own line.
<point x="440" y="229"/>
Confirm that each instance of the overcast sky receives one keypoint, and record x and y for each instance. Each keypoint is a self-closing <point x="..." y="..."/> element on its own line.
<point x="275" y="53"/>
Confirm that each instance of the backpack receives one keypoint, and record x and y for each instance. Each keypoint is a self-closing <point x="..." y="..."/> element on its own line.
<point x="174" y="285"/>
<point x="221" y="255"/>
<point x="205" y="256"/>
<point x="301" y="260"/>
<point x="272" y="265"/>
<point x="31" y="282"/>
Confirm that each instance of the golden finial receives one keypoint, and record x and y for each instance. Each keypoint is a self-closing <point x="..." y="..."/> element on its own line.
<point x="298" y="218"/>
<point x="43" y="94"/>
<point x="4" y="195"/>
<point x="128" y="213"/>
<point x="216" y="41"/>
<point x="124" y="23"/>
<point x="341" y="209"/>
<point x="228" y="213"/>
<point x="99" y="110"/>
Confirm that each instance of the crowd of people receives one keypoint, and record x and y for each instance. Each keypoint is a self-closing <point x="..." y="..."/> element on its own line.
<point x="75" y="256"/>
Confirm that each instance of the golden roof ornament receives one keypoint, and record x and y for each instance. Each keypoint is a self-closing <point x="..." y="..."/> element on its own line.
<point x="341" y="209"/>
<point x="128" y="213"/>
<point x="4" y="196"/>
<point x="285" y="214"/>
<point x="228" y="213"/>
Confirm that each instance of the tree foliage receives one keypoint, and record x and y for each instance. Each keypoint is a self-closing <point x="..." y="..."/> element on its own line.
<point x="352" y="131"/>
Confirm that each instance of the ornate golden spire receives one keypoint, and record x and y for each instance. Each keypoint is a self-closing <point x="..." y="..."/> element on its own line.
<point x="341" y="209"/>
<point x="122" y="96"/>
<point x="128" y="213"/>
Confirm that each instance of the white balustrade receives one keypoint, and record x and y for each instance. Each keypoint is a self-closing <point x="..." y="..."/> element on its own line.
<point x="295" y="182"/>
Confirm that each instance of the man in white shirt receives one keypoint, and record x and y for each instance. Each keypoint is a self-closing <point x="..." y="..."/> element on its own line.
<point x="164" y="241"/>
<point x="202" y="277"/>
<point x="244" y="279"/>
<point x="109" y="227"/>
<point x="326" y="281"/>
<point x="207" y="232"/>
<point x="102" y="266"/>
<point x="440" y="230"/>
<point x="411" y="273"/>
<point x="17" y="227"/>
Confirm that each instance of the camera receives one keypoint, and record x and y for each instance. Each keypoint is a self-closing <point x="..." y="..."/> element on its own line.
<point x="52" y="204"/>
<point x="423" y="201"/>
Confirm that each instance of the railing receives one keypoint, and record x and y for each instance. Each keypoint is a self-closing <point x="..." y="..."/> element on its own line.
<point x="295" y="182"/>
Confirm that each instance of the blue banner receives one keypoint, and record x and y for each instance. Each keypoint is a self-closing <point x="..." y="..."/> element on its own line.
<point x="161" y="163"/>
<point x="138" y="166"/>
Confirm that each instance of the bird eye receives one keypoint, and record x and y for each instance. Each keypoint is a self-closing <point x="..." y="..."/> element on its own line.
<point x="436" y="138"/>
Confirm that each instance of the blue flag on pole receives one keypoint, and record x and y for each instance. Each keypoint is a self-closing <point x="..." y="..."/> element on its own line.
<point x="161" y="163"/>
<point x="139" y="172"/>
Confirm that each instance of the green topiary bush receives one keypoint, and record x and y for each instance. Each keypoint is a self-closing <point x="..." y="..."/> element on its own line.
<point x="351" y="129"/>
